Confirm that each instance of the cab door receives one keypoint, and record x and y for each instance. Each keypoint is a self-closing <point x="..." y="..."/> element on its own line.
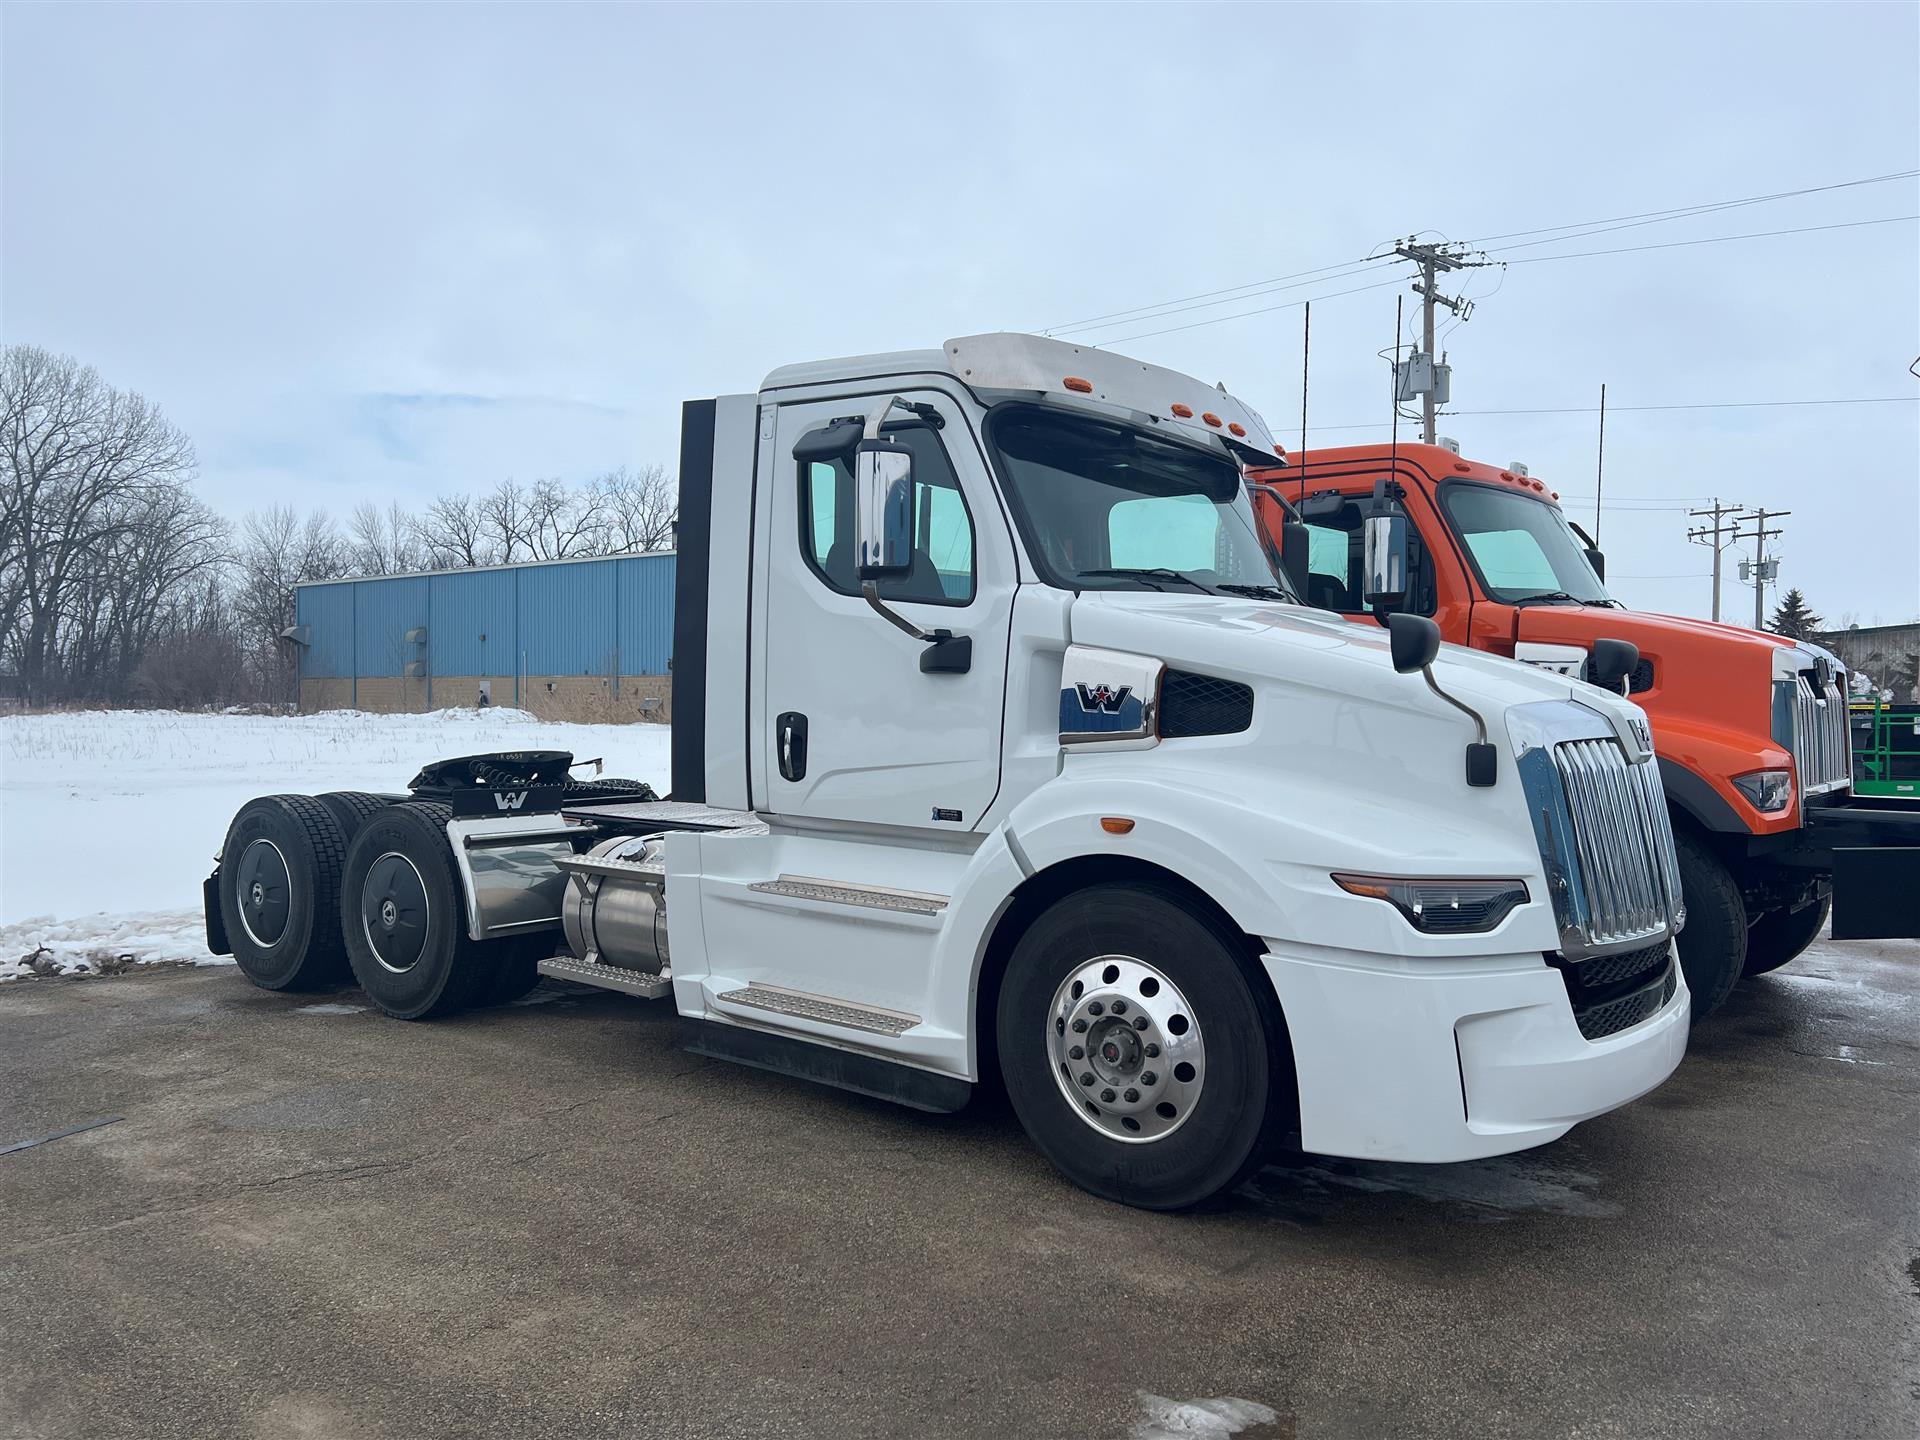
<point x="855" y="728"/>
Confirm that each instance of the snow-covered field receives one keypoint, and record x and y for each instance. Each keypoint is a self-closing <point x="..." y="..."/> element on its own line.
<point x="109" y="820"/>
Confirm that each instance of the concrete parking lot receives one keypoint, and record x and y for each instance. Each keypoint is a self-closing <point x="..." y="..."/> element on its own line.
<point x="547" y="1220"/>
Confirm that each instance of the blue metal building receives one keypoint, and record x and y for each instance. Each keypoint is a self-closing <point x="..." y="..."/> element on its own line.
<point x="568" y="639"/>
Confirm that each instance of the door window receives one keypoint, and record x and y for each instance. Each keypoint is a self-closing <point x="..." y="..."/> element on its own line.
<point x="1336" y="564"/>
<point x="943" y="568"/>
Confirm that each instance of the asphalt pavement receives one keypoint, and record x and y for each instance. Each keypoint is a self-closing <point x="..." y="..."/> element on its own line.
<point x="547" y="1220"/>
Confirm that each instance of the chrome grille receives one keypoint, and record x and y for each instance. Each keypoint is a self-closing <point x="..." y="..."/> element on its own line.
<point x="1626" y="874"/>
<point x="1822" y="749"/>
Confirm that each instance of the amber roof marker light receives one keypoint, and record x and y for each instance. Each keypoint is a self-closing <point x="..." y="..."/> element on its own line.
<point x="1078" y="386"/>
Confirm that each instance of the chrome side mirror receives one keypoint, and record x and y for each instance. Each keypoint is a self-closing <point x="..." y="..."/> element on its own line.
<point x="1386" y="561"/>
<point x="883" y="509"/>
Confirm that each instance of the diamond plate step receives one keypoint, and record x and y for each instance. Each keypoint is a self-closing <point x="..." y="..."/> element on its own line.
<point x="801" y="1005"/>
<point x="608" y="977"/>
<point x="839" y="892"/>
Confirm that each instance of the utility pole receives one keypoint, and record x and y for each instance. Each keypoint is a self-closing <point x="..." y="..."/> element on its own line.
<point x="1763" y="568"/>
<point x="1427" y="378"/>
<point x="1717" y="536"/>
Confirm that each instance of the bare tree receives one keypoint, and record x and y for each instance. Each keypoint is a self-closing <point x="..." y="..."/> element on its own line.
<point x="453" y="534"/>
<point x="278" y="551"/>
<point x="640" y="507"/>
<point x="383" y="543"/>
<point x="83" y="467"/>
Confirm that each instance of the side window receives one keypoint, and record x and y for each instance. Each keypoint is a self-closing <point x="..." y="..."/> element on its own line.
<point x="1336" y="565"/>
<point x="943" y="569"/>
<point x="1334" y="554"/>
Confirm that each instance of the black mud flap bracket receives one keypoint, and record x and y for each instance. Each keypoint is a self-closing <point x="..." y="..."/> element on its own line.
<point x="1876" y="893"/>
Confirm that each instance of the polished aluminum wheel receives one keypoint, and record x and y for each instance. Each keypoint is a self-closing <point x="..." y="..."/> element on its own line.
<point x="1126" y="1048"/>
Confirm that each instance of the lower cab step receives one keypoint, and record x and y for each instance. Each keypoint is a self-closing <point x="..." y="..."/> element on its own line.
<point x="643" y="983"/>
<point x="828" y="1011"/>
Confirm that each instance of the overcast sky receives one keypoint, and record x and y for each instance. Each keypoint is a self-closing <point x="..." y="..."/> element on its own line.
<point x="374" y="252"/>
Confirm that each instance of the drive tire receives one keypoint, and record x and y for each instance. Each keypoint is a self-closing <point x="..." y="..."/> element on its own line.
<point x="515" y="966"/>
<point x="1246" y="1093"/>
<point x="1713" y="946"/>
<point x="1777" y="936"/>
<point x="280" y="868"/>
<point x="353" y="808"/>
<point x="403" y="915"/>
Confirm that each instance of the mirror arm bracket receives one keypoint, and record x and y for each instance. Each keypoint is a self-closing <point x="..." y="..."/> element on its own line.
<point x="871" y="591"/>
<point x="1479" y="725"/>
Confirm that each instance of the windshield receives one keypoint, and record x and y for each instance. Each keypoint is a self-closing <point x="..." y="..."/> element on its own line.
<point x="1522" y="548"/>
<point x="1106" y="506"/>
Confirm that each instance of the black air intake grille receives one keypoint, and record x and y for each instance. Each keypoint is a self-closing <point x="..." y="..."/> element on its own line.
<point x="1641" y="679"/>
<point x="1203" y="705"/>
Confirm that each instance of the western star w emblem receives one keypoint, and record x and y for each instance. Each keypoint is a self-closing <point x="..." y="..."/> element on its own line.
<point x="1642" y="731"/>
<point x="1104" y="699"/>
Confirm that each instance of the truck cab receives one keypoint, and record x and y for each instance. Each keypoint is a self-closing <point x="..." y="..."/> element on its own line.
<point x="1750" y="728"/>
<point x="1003" y="753"/>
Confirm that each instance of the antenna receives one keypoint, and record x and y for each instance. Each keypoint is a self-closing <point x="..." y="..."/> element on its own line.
<point x="1306" y="353"/>
<point x="1600" y="465"/>
<point x="1393" y="452"/>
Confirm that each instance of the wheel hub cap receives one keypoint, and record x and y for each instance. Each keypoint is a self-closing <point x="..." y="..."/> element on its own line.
<point x="265" y="893"/>
<point x="393" y="909"/>
<point x="1126" y="1048"/>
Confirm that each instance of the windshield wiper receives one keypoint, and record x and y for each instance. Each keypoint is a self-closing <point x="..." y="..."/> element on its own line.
<point x="1550" y="597"/>
<point x="1152" y="573"/>
<point x="1257" y="592"/>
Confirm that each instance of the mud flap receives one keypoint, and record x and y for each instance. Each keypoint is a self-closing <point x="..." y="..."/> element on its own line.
<point x="216" y="922"/>
<point x="1876" y="893"/>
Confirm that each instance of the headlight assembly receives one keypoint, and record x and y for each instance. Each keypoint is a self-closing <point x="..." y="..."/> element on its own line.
<point x="1768" y="791"/>
<point x="1442" y="907"/>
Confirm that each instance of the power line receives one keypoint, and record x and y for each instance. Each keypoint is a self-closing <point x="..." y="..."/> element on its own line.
<point x="1708" y="240"/>
<point x="1617" y="409"/>
<point x="1253" y="292"/>
<point x="1227" y="295"/>
<point x="1093" y="321"/>
<point x="1683" y="212"/>
<point x="1243" y="314"/>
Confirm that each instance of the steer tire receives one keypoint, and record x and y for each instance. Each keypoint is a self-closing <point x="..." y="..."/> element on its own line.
<point x="404" y="916"/>
<point x="1713" y="946"/>
<point x="352" y="808"/>
<point x="1777" y="936"/>
<point x="1105" y="938"/>
<point x="280" y="872"/>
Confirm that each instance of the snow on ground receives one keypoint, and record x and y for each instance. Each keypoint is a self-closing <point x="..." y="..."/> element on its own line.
<point x="109" y="820"/>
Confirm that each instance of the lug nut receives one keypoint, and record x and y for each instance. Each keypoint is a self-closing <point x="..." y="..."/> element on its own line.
<point x="1132" y="1095"/>
<point x="1140" y="1022"/>
<point x="1077" y="1053"/>
<point x="1153" y="1051"/>
<point x="1096" y="1008"/>
<point x="1119" y="1007"/>
<point x="1107" y="1095"/>
<point x="1147" y="1077"/>
<point x="1086" y="1077"/>
<point x="1080" y="1027"/>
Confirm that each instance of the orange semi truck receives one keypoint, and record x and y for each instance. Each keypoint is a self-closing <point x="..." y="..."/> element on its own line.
<point x="1750" y="728"/>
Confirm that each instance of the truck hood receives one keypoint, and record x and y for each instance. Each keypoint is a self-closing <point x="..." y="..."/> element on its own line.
<point x="1703" y="674"/>
<point x="1254" y="640"/>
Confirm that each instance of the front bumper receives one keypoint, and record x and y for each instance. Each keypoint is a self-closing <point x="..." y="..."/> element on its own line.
<point x="1873" y="852"/>
<point x="1455" y="1059"/>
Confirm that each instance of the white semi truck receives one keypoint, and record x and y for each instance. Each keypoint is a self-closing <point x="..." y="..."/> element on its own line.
<point x="1003" y="748"/>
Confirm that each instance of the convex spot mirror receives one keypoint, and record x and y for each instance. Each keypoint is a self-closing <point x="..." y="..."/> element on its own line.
<point x="1386" y="561"/>
<point x="883" y="509"/>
